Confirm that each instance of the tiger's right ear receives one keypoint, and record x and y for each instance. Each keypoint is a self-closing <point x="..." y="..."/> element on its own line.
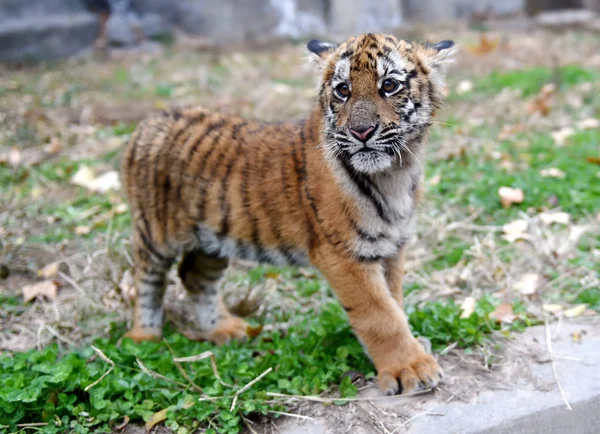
<point x="320" y="48"/>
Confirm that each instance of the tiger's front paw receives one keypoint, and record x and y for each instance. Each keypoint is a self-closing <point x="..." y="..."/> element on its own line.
<point x="228" y="328"/>
<point x="408" y="372"/>
<point x="140" y="334"/>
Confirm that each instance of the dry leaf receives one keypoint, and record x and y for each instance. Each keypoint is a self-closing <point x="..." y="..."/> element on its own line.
<point x="552" y="172"/>
<point x="541" y="103"/>
<point x="85" y="177"/>
<point x="528" y="283"/>
<point x="435" y="180"/>
<point x="515" y="230"/>
<point x="47" y="288"/>
<point x="53" y="147"/>
<point x="510" y="196"/>
<point x="593" y="160"/>
<point x="253" y="331"/>
<point x="548" y="217"/>
<point x="576" y="336"/>
<point x="82" y="230"/>
<point x="503" y="313"/>
<point x="468" y="307"/>
<point x="127" y="285"/>
<point x="510" y="130"/>
<point x="575" y="311"/>
<point x="158" y="417"/>
<point x="588" y="124"/>
<point x="464" y="86"/>
<point x="485" y="46"/>
<point x="49" y="270"/>
<point x="122" y="424"/>
<point x="120" y="208"/>
<point x="561" y="136"/>
<point x="552" y="308"/>
<point x="14" y="157"/>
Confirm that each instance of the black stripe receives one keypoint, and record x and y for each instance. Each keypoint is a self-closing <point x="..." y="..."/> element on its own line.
<point x="150" y="247"/>
<point x="365" y="187"/>
<point x="189" y="123"/>
<point x="208" y="180"/>
<point x="365" y="235"/>
<point x="369" y="258"/>
<point x="302" y="177"/>
<point x="225" y="206"/>
<point x="133" y="144"/>
<point x="159" y="280"/>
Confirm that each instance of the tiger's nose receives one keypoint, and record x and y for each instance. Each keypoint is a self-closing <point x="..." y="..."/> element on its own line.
<point x="363" y="134"/>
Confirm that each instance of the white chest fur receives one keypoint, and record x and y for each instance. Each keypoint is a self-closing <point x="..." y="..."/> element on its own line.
<point x="386" y="203"/>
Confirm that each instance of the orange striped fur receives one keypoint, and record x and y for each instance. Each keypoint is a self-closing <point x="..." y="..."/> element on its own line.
<point x="337" y="190"/>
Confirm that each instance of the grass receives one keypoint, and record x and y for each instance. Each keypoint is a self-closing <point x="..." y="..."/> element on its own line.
<point x="309" y="358"/>
<point x="578" y="194"/>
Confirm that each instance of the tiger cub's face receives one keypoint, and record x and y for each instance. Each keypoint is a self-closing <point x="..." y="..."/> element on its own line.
<point x="378" y="95"/>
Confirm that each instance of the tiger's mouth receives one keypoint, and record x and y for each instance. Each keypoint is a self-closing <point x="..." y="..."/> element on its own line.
<point x="366" y="149"/>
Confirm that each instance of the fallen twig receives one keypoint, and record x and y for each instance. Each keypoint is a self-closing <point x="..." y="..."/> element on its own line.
<point x="183" y="372"/>
<point x="107" y="360"/>
<point x="297" y="416"/>
<point x="329" y="400"/>
<point x="551" y="354"/>
<point x="155" y="374"/>
<point x="204" y="355"/>
<point x="406" y="422"/>
<point x="246" y="387"/>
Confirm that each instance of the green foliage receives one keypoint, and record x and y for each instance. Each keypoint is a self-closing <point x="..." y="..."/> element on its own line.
<point x="578" y="193"/>
<point x="591" y="297"/>
<point x="441" y="323"/>
<point x="531" y="80"/>
<point x="309" y="358"/>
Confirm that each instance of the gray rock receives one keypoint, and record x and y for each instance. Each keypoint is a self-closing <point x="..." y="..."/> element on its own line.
<point x="47" y="37"/>
<point x="567" y="18"/>
<point x="360" y="16"/>
<point x="534" y="7"/>
<point x="154" y="24"/>
<point x="120" y="29"/>
<point x="169" y="10"/>
<point x="593" y="5"/>
<point x="443" y="10"/>
<point x="299" y="18"/>
<point x="11" y="9"/>
<point x="230" y="21"/>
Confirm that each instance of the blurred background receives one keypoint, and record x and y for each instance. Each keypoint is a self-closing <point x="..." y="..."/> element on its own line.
<point x="50" y="29"/>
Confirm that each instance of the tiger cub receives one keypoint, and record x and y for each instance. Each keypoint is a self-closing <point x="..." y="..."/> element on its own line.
<point x="336" y="190"/>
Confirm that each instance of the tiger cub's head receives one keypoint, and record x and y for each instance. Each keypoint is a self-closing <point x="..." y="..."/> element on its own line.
<point x="378" y="95"/>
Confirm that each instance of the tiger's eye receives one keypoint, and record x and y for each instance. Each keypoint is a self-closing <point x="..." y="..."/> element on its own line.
<point x="343" y="90"/>
<point x="390" y="85"/>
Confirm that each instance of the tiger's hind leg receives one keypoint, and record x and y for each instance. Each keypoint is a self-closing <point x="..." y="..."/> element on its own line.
<point x="200" y="273"/>
<point x="150" y="273"/>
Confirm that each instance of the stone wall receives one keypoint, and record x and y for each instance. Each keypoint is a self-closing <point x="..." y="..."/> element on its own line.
<point x="46" y="29"/>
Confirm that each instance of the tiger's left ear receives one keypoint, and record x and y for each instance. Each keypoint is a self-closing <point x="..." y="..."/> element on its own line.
<point x="320" y="48"/>
<point x="439" y="55"/>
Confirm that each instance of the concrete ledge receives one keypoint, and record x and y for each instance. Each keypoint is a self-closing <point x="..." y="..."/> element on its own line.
<point x="519" y="396"/>
<point x="47" y="37"/>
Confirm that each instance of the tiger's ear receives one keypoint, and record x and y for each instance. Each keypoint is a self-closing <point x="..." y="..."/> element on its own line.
<point x="439" y="55"/>
<point x="320" y="48"/>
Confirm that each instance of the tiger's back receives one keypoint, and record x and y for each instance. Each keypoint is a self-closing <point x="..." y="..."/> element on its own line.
<point x="230" y="185"/>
